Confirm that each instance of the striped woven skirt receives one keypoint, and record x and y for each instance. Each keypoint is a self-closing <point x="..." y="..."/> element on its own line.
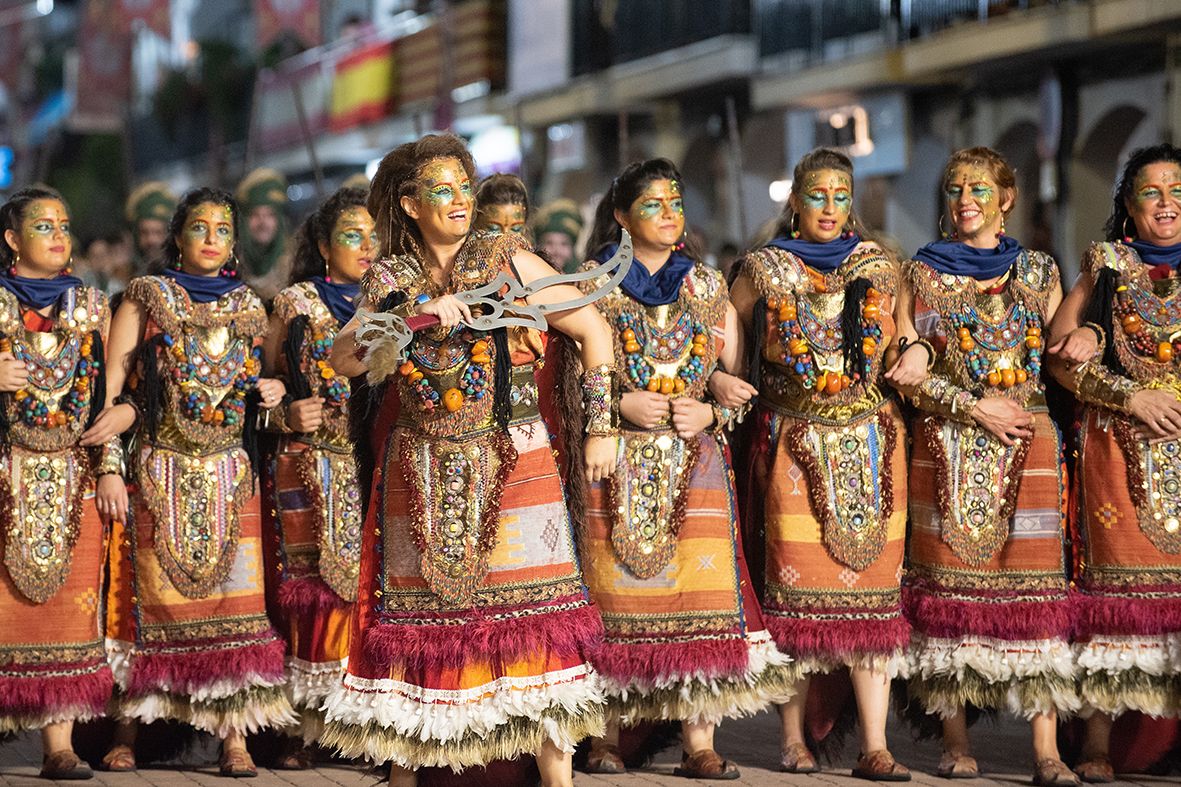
<point x="834" y="502"/>
<point x="684" y="637"/>
<point x="1128" y="630"/>
<point x="212" y="661"/>
<point x="467" y="650"/>
<point x="53" y="666"/>
<point x="312" y="617"/>
<point x="987" y="588"/>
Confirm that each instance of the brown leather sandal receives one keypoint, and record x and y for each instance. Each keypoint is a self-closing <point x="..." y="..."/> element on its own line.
<point x="957" y="766"/>
<point x="1095" y="770"/>
<point x="1051" y="772"/>
<point x="237" y="764"/>
<point x="605" y="759"/>
<point x="880" y="766"/>
<point x="120" y="759"/>
<point x="296" y="758"/>
<point x="706" y="764"/>
<point x="65" y="765"/>
<point x="797" y="759"/>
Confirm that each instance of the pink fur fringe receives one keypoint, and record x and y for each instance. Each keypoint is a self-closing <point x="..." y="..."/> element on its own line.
<point x="709" y="658"/>
<point x="565" y="633"/>
<point x="838" y="639"/>
<point x="36" y="694"/>
<point x="1101" y="614"/>
<point x="187" y="672"/>
<point x="308" y="596"/>
<point x="995" y="616"/>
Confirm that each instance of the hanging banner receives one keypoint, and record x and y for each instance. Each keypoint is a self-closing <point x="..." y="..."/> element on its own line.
<point x="363" y="89"/>
<point x="300" y="18"/>
<point x="103" y="85"/>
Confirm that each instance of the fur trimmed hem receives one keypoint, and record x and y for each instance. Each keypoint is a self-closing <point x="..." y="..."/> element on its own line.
<point x="519" y="735"/>
<point x="247" y="711"/>
<point x="204" y="669"/>
<point x="998" y="616"/>
<point x="564" y="633"/>
<point x="39" y="694"/>
<point x="944" y="695"/>
<point x="1116" y="693"/>
<point x="308" y="596"/>
<point x="1101" y="614"/>
<point x="838" y="641"/>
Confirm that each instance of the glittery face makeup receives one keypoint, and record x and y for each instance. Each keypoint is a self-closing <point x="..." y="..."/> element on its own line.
<point x="657" y="217"/>
<point x="444" y="201"/>
<point x="974" y="203"/>
<point x="499" y="219"/>
<point x="207" y="239"/>
<point x="354" y="245"/>
<point x="43" y="245"/>
<point x="1155" y="206"/>
<point x="823" y="204"/>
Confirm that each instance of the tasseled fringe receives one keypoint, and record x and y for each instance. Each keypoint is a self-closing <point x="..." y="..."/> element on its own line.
<point x="98" y="390"/>
<point x="572" y="422"/>
<point x="502" y="381"/>
<point x="297" y="383"/>
<point x="851" y="337"/>
<point x="150" y="391"/>
<point x="519" y="735"/>
<point x="1099" y="311"/>
<point x="308" y="596"/>
<point x="565" y="633"/>
<point x="754" y="363"/>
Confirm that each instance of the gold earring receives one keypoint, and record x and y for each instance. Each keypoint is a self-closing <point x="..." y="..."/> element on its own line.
<point x="794" y="228"/>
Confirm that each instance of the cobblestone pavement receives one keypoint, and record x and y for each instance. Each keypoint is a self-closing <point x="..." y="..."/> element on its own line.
<point x="1002" y="750"/>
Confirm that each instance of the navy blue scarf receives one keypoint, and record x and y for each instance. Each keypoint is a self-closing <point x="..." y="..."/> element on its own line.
<point x="1158" y="255"/>
<point x="204" y="289"/>
<point x="341" y="299"/>
<point x="38" y="293"/>
<point x="960" y="259"/>
<point x="653" y="289"/>
<point x="824" y="257"/>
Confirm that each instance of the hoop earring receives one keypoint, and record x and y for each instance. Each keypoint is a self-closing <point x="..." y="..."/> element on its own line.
<point x="794" y="228"/>
<point x="944" y="233"/>
<point x="1124" y="227"/>
<point x="229" y="268"/>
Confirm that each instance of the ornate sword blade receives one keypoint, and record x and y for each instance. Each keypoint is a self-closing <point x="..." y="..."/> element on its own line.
<point x="498" y="298"/>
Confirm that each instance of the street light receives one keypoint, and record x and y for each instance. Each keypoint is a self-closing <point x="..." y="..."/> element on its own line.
<point x="32" y="10"/>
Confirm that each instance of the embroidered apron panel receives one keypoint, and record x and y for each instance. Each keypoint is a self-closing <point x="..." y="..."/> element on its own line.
<point x="647" y="494"/>
<point x="849" y="482"/>
<point x="43" y="511"/>
<point x="195" y="501"/>
<point x="330" y="478"/>
<point x="1154" y="479"/>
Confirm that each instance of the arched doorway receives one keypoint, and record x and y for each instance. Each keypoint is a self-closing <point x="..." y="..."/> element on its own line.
<point x="1096" y="164"/>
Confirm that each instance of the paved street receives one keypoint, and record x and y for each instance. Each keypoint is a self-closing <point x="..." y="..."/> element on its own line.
<point x="1002" y="750"/>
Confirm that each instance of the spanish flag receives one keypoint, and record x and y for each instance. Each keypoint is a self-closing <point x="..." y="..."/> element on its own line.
<point x="363" y="89"/>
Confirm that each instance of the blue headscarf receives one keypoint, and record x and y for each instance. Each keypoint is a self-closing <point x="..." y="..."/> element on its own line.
<point x="653" y="289"/>
<point x="1158" y="255"/>
<point x="38" y="293"/>
<point x="960" y="259"/>
<point x="204" y="289"/>
<point x="824" y="257"/>
<point x="341" y="299"/>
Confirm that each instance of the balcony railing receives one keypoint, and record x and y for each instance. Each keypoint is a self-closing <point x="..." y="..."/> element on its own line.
<point x="608" y="33"/>
<point x="815" y="30"/>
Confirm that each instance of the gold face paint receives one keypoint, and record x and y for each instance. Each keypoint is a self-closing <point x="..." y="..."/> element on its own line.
<point x="1155" y="204"/>
<point x="354" y="245"/>
<point x="500" y="219"/>
<point x="445" y="201"/>
<point x="974" y="204"/>
<point x="823" y="204"/>
<point x="44" y="242"/>
<point x="656" y="218"/>
<point x="207" y="239"/>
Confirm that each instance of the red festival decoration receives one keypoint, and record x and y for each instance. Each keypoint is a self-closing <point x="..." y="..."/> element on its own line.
<point x="104" y="66"/>
<point x="300" y="18"/>
<point x="152" y="14"/>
